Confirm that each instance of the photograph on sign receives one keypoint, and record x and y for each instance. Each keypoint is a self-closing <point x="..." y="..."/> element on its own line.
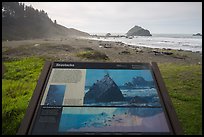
<point x="112" y="119"/>
<point x="120" y="88"/>
<point x="55" y="95"/>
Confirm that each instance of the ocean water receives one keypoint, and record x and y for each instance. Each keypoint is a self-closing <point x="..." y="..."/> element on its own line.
<point x="168" y="41"/>
<point x="147" y="98"/>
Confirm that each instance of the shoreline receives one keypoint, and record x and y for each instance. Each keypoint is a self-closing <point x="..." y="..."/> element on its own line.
<point x="80" y="50"/>
<point x="140" y="44"/>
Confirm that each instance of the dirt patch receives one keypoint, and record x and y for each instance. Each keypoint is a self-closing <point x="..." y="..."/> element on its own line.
<point x="124" y="52"/>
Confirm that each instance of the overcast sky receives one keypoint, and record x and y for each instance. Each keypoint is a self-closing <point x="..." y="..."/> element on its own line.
<point x="119" y="17"/>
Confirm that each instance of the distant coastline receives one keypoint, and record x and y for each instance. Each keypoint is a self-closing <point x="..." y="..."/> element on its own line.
<point x="153" y="34"/>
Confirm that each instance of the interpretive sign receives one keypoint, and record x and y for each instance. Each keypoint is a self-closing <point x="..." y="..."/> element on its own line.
<point x="100" y="98"/>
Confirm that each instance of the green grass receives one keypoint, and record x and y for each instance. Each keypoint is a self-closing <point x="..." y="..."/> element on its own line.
<point x="184" y="84"/>
<point x="18" y="84"/>
<point x="91" y="54"/>
<point x="182" y="81"/>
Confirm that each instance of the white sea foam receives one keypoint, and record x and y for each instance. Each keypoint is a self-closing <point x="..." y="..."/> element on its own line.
<point x="167" y="41"/>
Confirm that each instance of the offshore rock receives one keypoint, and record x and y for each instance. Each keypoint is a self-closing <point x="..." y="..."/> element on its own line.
<point x="139" y="82"/>
<point x="138" y="31"/>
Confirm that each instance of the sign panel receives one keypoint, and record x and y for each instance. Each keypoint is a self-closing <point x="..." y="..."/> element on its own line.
<point x="101" y="98"/>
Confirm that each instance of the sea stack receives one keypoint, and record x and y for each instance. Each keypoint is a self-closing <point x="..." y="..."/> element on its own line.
<point x="197" y="34"/>
<point x="138" y="31"/>
<point x="139" y="82"/>
<point x="104" y="90"/>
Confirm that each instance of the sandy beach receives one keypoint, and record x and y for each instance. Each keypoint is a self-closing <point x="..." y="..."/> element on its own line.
<point x="86" y="50"/>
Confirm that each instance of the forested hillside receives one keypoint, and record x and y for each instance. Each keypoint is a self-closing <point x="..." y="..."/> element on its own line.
<point x="24" y="22"/>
